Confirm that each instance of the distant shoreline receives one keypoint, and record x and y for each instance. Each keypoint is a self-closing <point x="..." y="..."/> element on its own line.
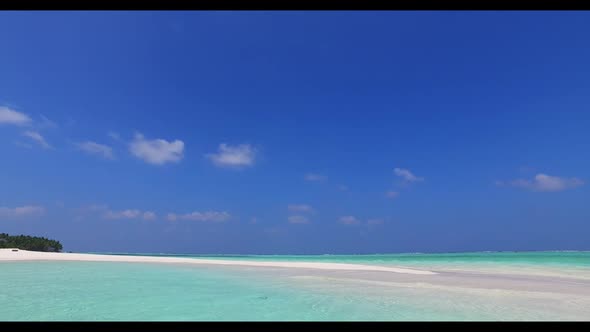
<point x="7" y="255"/>
<point x="339" y="254"/>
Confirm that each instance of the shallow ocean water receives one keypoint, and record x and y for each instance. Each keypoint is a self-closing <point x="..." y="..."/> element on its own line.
<point x="104" y="291"/>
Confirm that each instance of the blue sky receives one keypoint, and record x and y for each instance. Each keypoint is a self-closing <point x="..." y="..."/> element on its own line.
<point x="296" y="132"/>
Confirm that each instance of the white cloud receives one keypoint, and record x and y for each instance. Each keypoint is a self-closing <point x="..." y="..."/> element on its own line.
<point x="22" y="211"/>
<point x="545" y="183"/>
<point x="35" y="136"/>
<point x="298" y="220"/>
<point x="212" y="216"/>
<point x="314" y="177"/>
<point x="241" y="155"/>
<point x="392" y="194"/>
<point x="125" y="214"/>
<point x="12" y="117"/>
<point x="407" y="175"/>
<point x="156" y="151"/>
<point x="149" y="215"/>
<point x="105" y="212"/>
<point x="300" y="208"/>
<point x="349" y="220"/>
<point x="102" y="150"/>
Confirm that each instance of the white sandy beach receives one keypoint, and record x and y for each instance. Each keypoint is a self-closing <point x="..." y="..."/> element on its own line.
<point x="24" y="255"/>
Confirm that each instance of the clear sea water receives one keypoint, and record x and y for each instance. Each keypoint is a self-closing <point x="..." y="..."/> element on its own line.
<point x="91" y="291"/>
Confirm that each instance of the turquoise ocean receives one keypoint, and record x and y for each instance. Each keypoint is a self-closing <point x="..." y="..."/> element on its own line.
<point x="115" y="291"/>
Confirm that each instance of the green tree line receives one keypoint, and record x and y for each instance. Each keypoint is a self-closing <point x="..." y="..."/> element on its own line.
<point x="33" y="243"/>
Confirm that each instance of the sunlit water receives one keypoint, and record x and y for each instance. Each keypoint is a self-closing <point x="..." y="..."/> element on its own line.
<point x="43" y="291"/>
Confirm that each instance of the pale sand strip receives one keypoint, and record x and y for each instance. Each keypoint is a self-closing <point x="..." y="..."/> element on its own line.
<point x="24" y="255"/>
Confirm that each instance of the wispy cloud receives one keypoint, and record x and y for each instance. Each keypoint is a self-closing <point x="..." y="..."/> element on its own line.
<point x="22" y="211"/>
<point x="349" y="220"/>
<point x="83" y="212"/>
<point x="46" y="123"/>
<point x="342" y="187"/>
<point x="274" y="231"/>
<point x="125" y="214"/>
<point x="236" y="156"/>
<point x="354" y="221"/>
<point x="101" y="150"/>
<point x="130" y="214"/>
<point x="9" y="116"/>
<point x="314" y="177"/>
<point x="209" y="216"/>
<point x="149" y="215"/>
<point x="374" y="222"/>
<point x="12" y="117"/>
<point x="544" y="183"/>
<point x="94" y="208"/>
<point x="300" y="208"/>
<point x="298" y="220"/>
<point x="114" y="136"/>
<point x="37" y="138"/>
<point x="392" y="194"/>
<point x="156" y="151"/>
<point x="23" y="145"/>
<point x="406" y="175"/>
<point x="107" y="213"/>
